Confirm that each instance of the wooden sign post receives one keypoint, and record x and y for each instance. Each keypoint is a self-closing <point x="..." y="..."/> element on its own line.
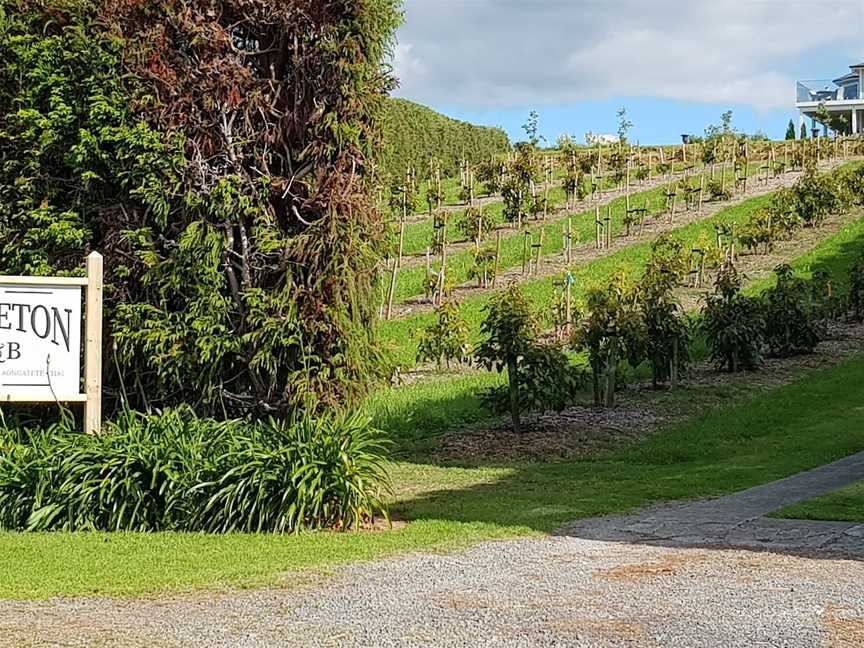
<point x="41" y="340"/>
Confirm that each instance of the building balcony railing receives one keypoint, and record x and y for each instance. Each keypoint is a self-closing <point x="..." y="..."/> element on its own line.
<point x="825" y="91"/>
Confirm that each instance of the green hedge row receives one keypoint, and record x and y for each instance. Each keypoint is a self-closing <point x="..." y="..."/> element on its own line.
<point x="414" y="134"/>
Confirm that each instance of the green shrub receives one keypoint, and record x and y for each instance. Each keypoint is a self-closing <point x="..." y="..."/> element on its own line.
<point x="760" y="230"/>
<point x="611" y="331"/>
<point x="234" y="212"/>
<point x="716" y="191"/>
<point x="510" y="329"/>
<point x="173" y="471"/>
<point x="816" y="196"/>
<point x="851" y="183"/>
<point x="790" y="323"/>
<point x="489" y="173"/>
<point x="476" y="221"/>
<point x="446" y="339"/>
<point x="539" y="375"/>
<point x="547" y="381"/>
<point x="483" y="268"/>
<point x="856" y="288"/>
<point x="733" y="324"/>
<point x="666" y="328"/>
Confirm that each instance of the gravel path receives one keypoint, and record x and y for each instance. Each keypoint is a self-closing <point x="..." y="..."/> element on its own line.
<point x="644" y="580"/>
<point x="738" y="520"/>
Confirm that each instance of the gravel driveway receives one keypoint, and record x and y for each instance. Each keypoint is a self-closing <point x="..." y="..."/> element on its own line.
<point x="671" y="576"/>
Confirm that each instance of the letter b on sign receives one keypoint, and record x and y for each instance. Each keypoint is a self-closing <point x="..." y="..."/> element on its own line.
<point x="10" y="351"/>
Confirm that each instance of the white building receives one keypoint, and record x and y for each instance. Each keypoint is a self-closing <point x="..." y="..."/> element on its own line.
<point x="593" y="139"/>
<point x="842" y="96"/>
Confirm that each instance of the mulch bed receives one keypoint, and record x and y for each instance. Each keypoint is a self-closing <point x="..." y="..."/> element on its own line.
<point x="586" y="430"/>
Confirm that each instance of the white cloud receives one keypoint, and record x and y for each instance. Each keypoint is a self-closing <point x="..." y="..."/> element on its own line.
<point x="500" y="53"/>
<point x="407" y="68"/>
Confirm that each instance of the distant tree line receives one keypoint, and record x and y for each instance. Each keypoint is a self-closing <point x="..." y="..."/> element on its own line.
<point x="415" y="134"/>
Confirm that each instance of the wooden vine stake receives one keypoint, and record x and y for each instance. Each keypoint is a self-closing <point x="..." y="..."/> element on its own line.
<point x="645" y="210"/>
<point x="608" y="225"/>
<point x="401" y="241"/>
<point x="568" y="302"/>
<point x="391" y="290"/>
<point x="611" y="365"/>
<point x="539" y="248"/>
<point x="497" y="258"/>
<point x="598" y="224"/>
<point x="546" y="188"/>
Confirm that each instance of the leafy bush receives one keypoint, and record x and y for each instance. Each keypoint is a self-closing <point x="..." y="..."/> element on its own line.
<point x="440" y="232"/>
<point x="784" y="210"/>
<point x="539" y="375"/>
<point x="576" y="184"/>
<point x="446" y="339"/>
<point x="666" y="328"/>
<point x="220" y="161"/>
<point x="825" y="303"/>
<point x="851" y="185"/>
<point x="612" y="330"/>
<point x="483" y="268"/>
<point x="547" y="381"/>
<point x="716" y="191"/>
<point x="516" y="190"/>
<point x="490" y="173"/>
<point x="856" y="288"/>
<point x="760" y="230"/>
<point x="790" y="325"/>
<point x="510" y="329"/>
<point x="816" y="196"/>
<point x="173" y="471"/>
<point x="434" y="195"/>
<point x="476" y="221"/>
<point x="733" y="324"/>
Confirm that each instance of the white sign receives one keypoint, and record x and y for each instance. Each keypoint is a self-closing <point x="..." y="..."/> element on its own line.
<point x="40" y="342"/>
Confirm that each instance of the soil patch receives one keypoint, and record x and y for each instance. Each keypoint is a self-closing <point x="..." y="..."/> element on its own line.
<point x="586" y="430"/>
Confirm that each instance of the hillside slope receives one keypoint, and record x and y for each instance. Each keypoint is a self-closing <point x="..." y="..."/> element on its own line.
<point x="413" y="134"/>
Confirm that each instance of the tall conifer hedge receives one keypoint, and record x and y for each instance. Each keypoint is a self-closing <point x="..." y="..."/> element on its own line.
<point x="215" y="151"/>
<point x="414" y="134"/>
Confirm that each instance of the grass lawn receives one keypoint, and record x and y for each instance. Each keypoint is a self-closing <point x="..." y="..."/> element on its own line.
<point x="752" y="439"/>
<point x="771" y="435"/>
<point x="843" y="505"/>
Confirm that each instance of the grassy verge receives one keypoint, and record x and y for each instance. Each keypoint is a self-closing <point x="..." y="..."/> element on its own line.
<point x="842" y="505"/>
<point x="808" y="423"/>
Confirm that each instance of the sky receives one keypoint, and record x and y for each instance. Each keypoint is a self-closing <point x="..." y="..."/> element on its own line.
<point x="674" y="65"/>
